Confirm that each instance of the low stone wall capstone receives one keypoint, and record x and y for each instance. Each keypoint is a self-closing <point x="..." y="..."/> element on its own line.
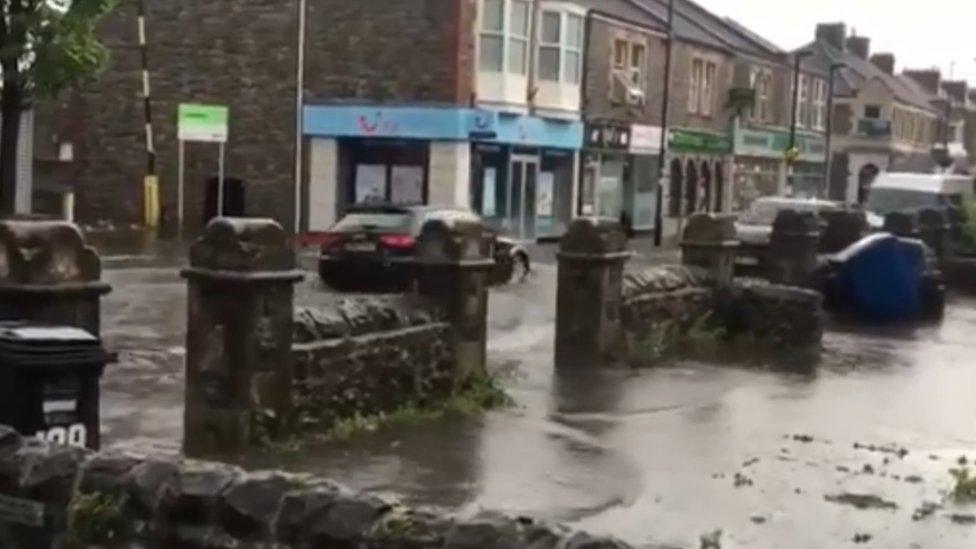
<point x="674" y="295"/>
<point x="369" y="355"/>
<point x="63" y="497"/>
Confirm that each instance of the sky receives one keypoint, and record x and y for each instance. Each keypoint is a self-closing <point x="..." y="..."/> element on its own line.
<point x="932" y="33"/>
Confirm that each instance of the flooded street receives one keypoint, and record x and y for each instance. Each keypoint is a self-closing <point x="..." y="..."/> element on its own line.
<point x="656" y="457"/>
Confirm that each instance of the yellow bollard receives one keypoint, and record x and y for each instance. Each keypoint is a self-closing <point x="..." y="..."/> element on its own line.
<point x="151" y="201"/>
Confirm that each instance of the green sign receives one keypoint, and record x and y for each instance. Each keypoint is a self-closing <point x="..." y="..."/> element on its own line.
<point x="206" y="123"/>
<point x="773" y="144"/>
<point x="682" y="140"/>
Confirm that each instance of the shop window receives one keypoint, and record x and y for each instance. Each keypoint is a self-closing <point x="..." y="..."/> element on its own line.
<point x="675" y="189"/>
<point x="691" y="188"/>
<point x="386" y="172"/>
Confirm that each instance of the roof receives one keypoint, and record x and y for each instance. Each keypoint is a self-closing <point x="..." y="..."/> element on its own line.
<point x="859" y="71"/>
<point x="625" y="11"/>
<point x="685" y="27"/>
<point x="694" y="22"/>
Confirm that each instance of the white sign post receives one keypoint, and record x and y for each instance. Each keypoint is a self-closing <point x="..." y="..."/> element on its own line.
<point x="202" y="124"/>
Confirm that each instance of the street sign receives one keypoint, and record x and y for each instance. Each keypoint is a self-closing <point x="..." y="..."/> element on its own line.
<point x="203" y="123"/>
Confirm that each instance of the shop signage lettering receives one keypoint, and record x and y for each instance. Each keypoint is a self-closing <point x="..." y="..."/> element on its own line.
<point x="607" y="136"/>
<point x="772" y="145"/>
<point x="705" y="142"/>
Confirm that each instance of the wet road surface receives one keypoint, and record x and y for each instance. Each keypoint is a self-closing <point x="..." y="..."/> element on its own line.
<point x="657" y="457"/>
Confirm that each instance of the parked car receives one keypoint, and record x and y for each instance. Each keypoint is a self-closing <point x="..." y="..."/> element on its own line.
<point x="374" y="248"/>
<point x="895" y="192"/>
<point x="755" y="226"/>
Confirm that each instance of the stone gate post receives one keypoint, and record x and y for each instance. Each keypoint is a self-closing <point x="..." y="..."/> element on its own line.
<point x="48" y="274"/>
<point x="709" y="242"/>
<point x="793" y="248"/>
<point x="843" y="228"/>
<point x="592" y="255"/>
<point x="239" y="334"/>
<point x="454" y="269"/>
<point x="903" y="224"/>
<point x="934" y="227"/>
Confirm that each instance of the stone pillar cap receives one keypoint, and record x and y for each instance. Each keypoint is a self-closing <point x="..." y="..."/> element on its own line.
<point x="594" y="236"/>
<point x="47" y="253"/>
<point x="901" y="223"/>
<point x="709" y="230"/>
<point x="243" y="245"/>
<point x="794" y="222"/>
<point x="454" y="237"/>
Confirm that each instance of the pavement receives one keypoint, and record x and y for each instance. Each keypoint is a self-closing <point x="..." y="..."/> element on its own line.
<point x="657" y="456"/>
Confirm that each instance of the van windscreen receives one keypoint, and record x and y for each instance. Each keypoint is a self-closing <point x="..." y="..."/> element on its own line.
<point x="885" y="201"/>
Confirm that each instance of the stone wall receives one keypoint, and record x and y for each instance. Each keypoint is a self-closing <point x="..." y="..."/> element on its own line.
<point x="68" y="497"/>
<point x="779" y="317"/>
<point x="369" y="355"/>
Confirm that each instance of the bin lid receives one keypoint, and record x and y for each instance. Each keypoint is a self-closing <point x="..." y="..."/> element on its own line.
<point x="38" y="346"/>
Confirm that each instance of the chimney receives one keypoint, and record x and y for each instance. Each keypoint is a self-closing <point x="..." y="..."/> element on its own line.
<point x="832" y="34"/>
<point x="884" y="61"/>
<point x="859" y="46"/>
<point x="930" y="79"/>
<point x="956" y="89"/>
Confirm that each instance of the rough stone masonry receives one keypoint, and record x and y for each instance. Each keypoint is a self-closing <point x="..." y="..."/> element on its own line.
<point x="55" y="496"/>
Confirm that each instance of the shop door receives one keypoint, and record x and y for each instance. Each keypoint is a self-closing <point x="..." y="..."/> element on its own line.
<point x="522" y="198"/>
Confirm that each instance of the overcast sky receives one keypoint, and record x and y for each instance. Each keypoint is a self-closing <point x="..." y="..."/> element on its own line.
<point x="920" y="34"/>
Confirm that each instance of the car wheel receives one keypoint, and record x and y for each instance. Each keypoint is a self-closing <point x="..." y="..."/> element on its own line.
<point x="520" y="268"/>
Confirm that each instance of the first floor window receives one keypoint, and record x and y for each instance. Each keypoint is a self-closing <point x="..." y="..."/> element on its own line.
<point x="504" y="36"/>
<point x="694" y="89"/>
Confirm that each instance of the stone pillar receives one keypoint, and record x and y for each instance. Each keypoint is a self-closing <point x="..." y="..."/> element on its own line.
<point x="48" y="274"/>
<point x="591" y="257"/>
<point x="793" y="248"/>
<point x="843" y="228"/>
<point x="709" y="242"/>
<point x="239" y="334"/>
<point x="454" y="271"/>
<point x="903" y="224"/>
<point x="934" y="230"/>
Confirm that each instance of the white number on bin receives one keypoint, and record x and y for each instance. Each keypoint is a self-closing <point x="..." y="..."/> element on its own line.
<point x="75" y="435"/>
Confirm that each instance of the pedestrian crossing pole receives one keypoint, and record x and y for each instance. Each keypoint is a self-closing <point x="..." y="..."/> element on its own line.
<point x="151" y="181"/>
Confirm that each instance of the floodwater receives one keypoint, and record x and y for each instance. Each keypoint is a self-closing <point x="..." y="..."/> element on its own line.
<point x="657" y="457"/>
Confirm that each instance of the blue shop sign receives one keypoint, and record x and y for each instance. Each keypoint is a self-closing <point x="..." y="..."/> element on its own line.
<point x="448" y="124"/>
<point x="532" y="131"/>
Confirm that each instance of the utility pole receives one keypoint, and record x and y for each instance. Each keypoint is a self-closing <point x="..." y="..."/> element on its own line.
<point x="797" y="59"/>
<point x="830" y="124"/>
<point x="663" y="156"/>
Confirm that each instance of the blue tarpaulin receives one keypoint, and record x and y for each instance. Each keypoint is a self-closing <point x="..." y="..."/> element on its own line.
<point x="880" y="277"/>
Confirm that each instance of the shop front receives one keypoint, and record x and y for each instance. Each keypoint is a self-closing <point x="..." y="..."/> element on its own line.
<point x="619" y="173"/>
<point x="761" y="168"/>
<point x="523" y="175"/>
<point x="698" y="173"/>
<point x="399" y="155"/>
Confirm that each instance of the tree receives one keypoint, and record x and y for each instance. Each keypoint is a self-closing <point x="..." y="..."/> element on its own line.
<point x="45" y="46"/>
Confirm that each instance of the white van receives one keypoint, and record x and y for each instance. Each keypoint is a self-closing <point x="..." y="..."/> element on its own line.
<point x="894" y="192"/>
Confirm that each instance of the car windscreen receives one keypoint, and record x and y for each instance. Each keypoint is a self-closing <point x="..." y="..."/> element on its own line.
<point x="764" y="213"/>
<point x="393" y="222"/>
<point x="885" y="201"/>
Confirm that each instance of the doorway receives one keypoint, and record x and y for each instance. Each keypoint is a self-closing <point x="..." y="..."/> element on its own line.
<point x="234" y="198"/>
<point x="522" y="189"/>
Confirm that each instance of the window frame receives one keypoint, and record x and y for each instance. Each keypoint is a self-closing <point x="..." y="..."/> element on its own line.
<point x="803" y="102"/>
<point x="818" y="109"/>
<point x="563" y="47"/>
<point x="636" y="72"/>
<point x="508" y="36"/>
<point x="710" y="75"/>
<point x="696" y="76"/>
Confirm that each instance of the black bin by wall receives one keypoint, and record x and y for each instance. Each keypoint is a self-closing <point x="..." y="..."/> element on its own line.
<point x="49" y="382"/>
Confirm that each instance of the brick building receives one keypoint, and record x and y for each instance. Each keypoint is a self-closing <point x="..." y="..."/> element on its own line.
<point x="881" y="122"/>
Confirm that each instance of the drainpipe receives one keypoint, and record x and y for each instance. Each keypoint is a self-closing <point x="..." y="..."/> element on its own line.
<point x="533" y="46"/>
<point x="299" y="113"/>
<point x="830" y="125"/>
<point x="662" y="156"/>
<point x="584" y="102"/>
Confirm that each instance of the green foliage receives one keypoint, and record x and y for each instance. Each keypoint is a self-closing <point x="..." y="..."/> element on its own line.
<point x="964" y="490"/>
<point x="969" y="229"/>
<point x="52" y="49"/>
<point x="701" y="334"/>
<point x="475" y="394"/>
<point x="94" y="519"/>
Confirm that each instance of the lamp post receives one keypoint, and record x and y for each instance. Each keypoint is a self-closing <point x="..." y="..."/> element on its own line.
<point x="797" y="59"/>
<point x="830" y="122"/>
<point x="662" y="155"/>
